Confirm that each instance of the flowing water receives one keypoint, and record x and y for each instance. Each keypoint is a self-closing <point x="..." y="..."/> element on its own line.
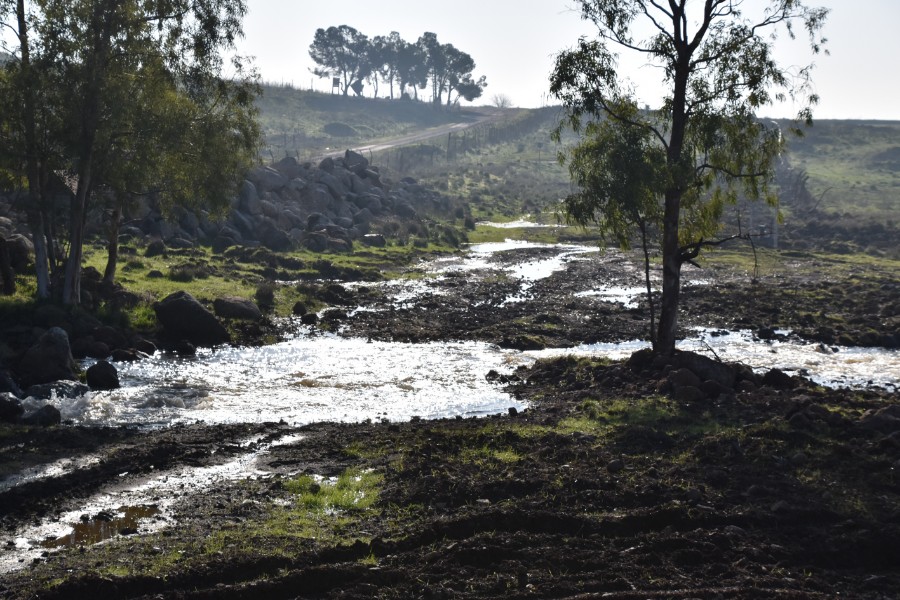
<point x="316" y="377"/>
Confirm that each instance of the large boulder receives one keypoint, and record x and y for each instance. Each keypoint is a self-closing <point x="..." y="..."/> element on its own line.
<point x="10" y="408"/>
<point x="20" y="251"/>
<point x="8" y="385"/>
<point x="50" y="359"/>
<point x="44" y="417"/>
<point x="183" y="317"/>
<point x="102" y="376"/>
<point x="267" y="179"/>
<point x="236" y="308"/>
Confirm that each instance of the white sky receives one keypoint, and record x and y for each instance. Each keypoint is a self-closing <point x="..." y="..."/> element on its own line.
<point x="513" y="43"/>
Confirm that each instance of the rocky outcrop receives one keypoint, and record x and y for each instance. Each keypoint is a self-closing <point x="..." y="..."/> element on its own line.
<point x="50" y="359"/>
<point x="183" y="318"/>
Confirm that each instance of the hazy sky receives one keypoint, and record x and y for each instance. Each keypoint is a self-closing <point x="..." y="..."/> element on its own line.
<point x="513" y="43"/>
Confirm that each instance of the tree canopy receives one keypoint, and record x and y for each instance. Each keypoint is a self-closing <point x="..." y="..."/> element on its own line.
<point x="133" y="102"/>
<point x="673" y="169"/>
<point x="351" y="57"/>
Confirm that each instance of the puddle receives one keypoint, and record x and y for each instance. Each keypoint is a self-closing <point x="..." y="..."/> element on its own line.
<point x="140" y="506"/>
<point x="104" y="526"/>
<point x="54" y="469"/>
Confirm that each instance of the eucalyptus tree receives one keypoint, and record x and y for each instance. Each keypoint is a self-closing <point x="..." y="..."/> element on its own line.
<point x="187" y="150"/>
<point x="98" y="46"/>
<point x="26" y="153"/>
<point x="341" y="52"/>
<point x="678" y="166"/>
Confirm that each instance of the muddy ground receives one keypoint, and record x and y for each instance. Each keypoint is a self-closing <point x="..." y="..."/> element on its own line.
<point x="609" y="485"/>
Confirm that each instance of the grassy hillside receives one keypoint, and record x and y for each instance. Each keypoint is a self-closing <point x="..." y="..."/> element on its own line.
<point x="508" y="168"/>
<point x="853" y="166"/>
<point x="304" y="124"/>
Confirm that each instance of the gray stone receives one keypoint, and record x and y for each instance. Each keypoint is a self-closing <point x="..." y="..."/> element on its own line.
<point x="267" y="179"/>
<point x="183" y="317"/>
<point x="10" y="408"/>
<point x="50" y="359"/>
<point x="374" y="240"/>
<point x="884" y="420"/>
<point x="102" y="376"/>
<point x="237" y="308"/>
<point x="43" y="417"/>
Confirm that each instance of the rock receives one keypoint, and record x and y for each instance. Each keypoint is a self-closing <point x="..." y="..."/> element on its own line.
<point x="10" y="408"/>
<point x="315" y="242"/>
<point x="689" y="394"/>
<point x="778" y="379"/>
<point x="184" y="348"/>
<point x="883" y="420"/>
<point x="8" y="385"/>
<point x="680" y="378"/>
<point x="60" y="389"/>
<point x="267" y="179"/>
<point x="327" y="164"/>
<point x="88" y="347"/>
<point x="43" y="417"/>
<point x="373" y="240"/>
<point x="183" y="317"/>
<point x="50" y="359"/>
<point x="309" y="319"/>
<point x="705" y="368"/>
<point x="20" y="250"/>
<point x="355" y="162"/>
<point x="616" y="465"/>
<point x="102" y="376"/>
<point x="155" y="248"/>
<point x="129" y="355"/>
<point x="236" y="308"/>
<point x="180" y="243"/>
<point x="145" y="346"/>
<point x="317" y="221"/>
<point x="274" y="238"/>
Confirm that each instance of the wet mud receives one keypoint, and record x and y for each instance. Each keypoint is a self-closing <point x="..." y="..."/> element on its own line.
<point x="608" y="485"/>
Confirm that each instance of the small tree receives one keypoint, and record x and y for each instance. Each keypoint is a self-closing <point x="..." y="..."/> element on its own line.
<point x="705" y="144"/>
<point x="501" y="101"/>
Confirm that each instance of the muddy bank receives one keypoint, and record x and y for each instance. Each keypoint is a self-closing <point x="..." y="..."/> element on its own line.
<point x="821" y="300"/>
<point x="612" y="482"/>
<point x="604" y="486"/>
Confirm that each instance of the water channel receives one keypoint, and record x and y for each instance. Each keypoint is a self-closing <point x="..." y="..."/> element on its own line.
<point x="314" y="377"/>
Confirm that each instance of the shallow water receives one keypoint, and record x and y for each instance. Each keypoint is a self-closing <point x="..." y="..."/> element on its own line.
<point x="832" y="366"/>
<point x="327" y="377"/>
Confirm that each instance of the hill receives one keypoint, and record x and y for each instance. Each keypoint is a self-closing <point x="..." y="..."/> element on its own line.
<point x="853" y="166"/>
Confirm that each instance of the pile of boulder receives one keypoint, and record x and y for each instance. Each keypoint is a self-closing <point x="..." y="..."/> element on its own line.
<point x="288" y="205"/>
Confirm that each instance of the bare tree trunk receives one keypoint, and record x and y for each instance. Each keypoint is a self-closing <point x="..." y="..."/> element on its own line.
<point x="33" y="169"/>
<point x="646" y="249"/>
<point x="7" y="277"/>
<point x="671" y="284"/>
<point x="109" y="274"/>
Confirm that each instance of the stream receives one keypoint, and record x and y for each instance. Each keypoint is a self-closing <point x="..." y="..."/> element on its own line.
<point x="315" y="377"/>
